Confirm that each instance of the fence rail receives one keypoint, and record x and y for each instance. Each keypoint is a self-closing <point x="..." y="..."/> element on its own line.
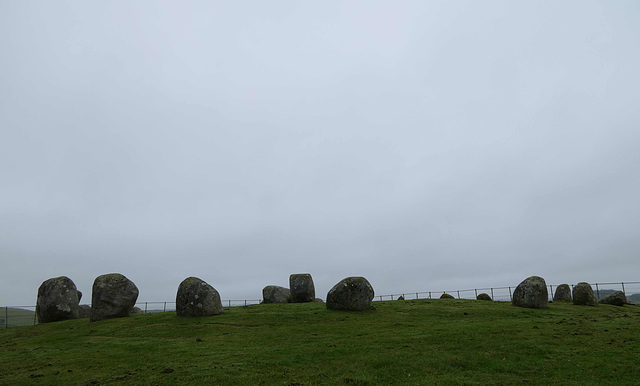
<point x="506" y="293"/>
<point x="19" y="316"/>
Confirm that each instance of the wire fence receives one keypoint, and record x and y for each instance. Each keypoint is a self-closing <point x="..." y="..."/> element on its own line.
<point x="20" y="316"/>
<point x="505" y="294"/>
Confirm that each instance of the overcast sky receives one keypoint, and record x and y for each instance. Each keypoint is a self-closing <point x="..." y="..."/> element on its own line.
<point x="427" y="146"/>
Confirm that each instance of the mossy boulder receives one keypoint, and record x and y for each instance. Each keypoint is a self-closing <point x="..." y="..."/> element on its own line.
<point x="57" y="300"/>
<point x="617" y="298"/>
<point x="113" y="296"/>
<point x="484" y="296"/>
<point x="583" y="295"/>
<point x="197" y="298"/>
<point x="563" y="293"/>
<point x="351" y="294"/>
<point x="302" y="288"/>
<point x="401" y="297"/>
<point x="446" y="296"/>
<point x="531" y="293"/>
<point x="276" y="294"/>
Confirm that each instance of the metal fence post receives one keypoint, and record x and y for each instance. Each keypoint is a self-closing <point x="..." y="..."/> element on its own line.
<point x="145" y="307"/>
<point x="551" y="289"/>
<point x="597" y="291"/>
<point x="165" y="307"/>
<point x="625" y="292"/>
<point x="458" y="294"/>
<point x="510" y="297"/>
<point x="491" y="293"/>
<point x="476" y="292"/>
<point x="429" y="294"/>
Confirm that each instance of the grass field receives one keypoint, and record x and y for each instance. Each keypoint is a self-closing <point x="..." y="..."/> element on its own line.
<point x="16" y="317"/>
<point x="401" y="342"/>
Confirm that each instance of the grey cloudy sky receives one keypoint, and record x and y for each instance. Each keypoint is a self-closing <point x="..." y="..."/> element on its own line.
<point x="424" y="145"/>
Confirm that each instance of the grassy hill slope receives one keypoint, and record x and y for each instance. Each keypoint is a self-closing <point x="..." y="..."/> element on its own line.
<point x="401" y="342"/>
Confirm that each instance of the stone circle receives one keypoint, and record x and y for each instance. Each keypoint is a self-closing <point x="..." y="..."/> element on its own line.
<point x="302" y="288"/>
<point x="57" y="300"/>
<point x="563" y="293"/>
<point x="583" y="295"/>
<point x="531" y="293"/>
<point x="113" y="296"/>
<point x="351" y="294"/>
<point x="484" y="296"/>
<point x="617" y="298"/>
<point x="276" y="294"/>
<point x="197" y="298"/>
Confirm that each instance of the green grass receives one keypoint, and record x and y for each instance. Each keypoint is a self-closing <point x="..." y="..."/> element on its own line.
<point x="401" y="342"/>
<point x="17" y="317"/>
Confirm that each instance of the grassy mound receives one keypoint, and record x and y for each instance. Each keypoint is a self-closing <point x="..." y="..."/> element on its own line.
<point x="410" y="342"/>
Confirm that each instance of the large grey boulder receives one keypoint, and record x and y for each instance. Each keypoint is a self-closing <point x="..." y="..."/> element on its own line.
<point x="350" y="294"/>
<point x="57" y="300"/>
<point x="617" y="298"/>
<point x="113" y="296"/>
<point x="531" y="293"/>
<point x="446" y="296"/>
<point x="276" y="294"/>
<point x="197" y="298"/>
<point x="583" y="295"/>
<point x="302" y="288"/>
<point x="563" y="293"/>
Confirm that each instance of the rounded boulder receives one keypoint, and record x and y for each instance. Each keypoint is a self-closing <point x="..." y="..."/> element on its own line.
<point x="113" y="296"/>
<point x="197" y="298"/>
<point x="583" y="295"/>
<point x="275" y="294"/>
<point x="563" y="293"/>
<point x="446" y="296"/>
<point x="531" y="293"/>
<point x="350" y="294"/>
<point x="302" y="288"/>
<point x="57" y="300"/>
<point x="484" y="296"/>
<point x="617" y="298"/>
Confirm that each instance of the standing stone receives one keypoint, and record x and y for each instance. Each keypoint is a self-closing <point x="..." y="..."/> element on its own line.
<point x="276" y="294"/>
<point x="57" y="300"/>
<point x="583" y="295"/>
<point x="563" y="293"/>
<point x="197" y="298"/>
<point x="84" y="311"/>
<point x="113" y="296"/>
<point x="484" y="296"/>
<point x="350" y="294"/>
<point x="617" y="298"/>
<point x="446" y="296"/>
<point x="531" y="293"/>
<point x="302" y="289"/>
